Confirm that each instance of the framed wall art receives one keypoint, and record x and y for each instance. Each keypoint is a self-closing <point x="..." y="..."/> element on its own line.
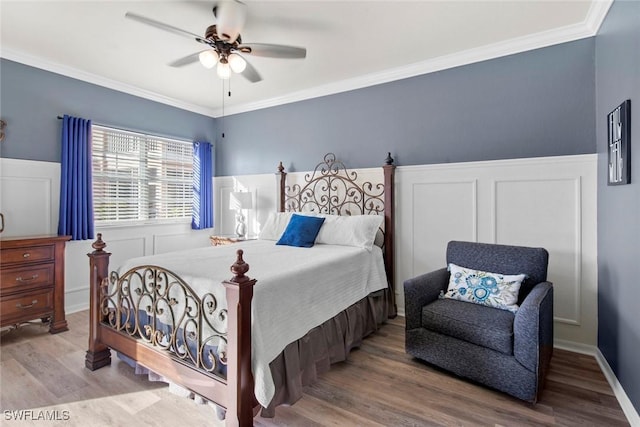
<point x="619" y="144"/>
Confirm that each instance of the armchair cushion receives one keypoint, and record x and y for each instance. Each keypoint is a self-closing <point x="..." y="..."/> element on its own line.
<point x="481" y="287"/>
<point x="481" y="325"/>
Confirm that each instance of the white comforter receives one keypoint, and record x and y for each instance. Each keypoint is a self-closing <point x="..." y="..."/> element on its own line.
<point x="297" y="289"/>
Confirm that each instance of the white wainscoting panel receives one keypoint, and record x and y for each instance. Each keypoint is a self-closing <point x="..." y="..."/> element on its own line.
<point x="456" y="215"/>
<point x="546" y="213"/>
<point x="179" y="237"/>
<point x="547" y="202"/>
<point x="29" y="197"/>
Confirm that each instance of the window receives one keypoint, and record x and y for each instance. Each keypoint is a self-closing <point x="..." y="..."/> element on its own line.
<point x="140" y="178"/>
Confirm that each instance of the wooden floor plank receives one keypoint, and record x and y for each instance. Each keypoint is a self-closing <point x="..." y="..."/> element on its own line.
<point x="27" y="390"/>
<point x="378" y="385"/>
<point x="35" y="358"/>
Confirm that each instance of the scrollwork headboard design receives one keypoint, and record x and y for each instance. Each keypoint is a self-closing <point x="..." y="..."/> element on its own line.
<point x="333" y="189"/>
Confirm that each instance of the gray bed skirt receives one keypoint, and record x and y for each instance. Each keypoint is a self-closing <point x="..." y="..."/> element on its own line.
<point x="301" y="361"/>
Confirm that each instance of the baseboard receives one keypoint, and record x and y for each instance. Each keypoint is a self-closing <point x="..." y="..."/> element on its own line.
<point x="76" y="308"/>
<point x="575" y="347"/>
<point x="624" y="401"/>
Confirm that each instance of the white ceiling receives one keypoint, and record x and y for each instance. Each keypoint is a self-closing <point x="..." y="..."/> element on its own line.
<point x="350" y="44"/>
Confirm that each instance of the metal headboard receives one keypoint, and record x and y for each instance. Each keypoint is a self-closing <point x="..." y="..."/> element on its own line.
<point x="333" y="189"/>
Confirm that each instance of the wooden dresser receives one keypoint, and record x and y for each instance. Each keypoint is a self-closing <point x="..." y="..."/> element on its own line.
<point x="32" y="280"/>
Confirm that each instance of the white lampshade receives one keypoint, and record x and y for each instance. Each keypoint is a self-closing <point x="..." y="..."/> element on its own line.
<point x="223" y="69"/>
<point x="239" y="200"/>
<point x="237" y="63"/>
<point x="208" y="58"/>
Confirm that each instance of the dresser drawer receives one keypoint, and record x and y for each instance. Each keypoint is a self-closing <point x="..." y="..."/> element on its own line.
<point x="27" y="277"/>
<point x="32" y="280"/>
<point x="26" y="306"/>
<point x="28" y="254"/>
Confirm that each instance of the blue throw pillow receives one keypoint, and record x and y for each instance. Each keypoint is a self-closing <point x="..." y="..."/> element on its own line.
<point x="301" y="231"/>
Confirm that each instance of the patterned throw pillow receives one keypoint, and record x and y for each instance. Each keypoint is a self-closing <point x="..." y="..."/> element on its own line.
<point x="481" y="287"/>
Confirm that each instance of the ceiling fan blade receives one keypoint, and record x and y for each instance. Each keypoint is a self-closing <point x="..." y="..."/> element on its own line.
<point x="250" y="73"/>
<point x="162" y="26"/>
<point x="274" y="50"/>
<point x="189" y="59"/>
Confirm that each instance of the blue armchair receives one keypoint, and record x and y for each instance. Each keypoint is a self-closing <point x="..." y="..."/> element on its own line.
<point x="507" y="351"/>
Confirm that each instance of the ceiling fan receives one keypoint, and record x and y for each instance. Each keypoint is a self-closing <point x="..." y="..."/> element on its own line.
<point x="224" y="44"/>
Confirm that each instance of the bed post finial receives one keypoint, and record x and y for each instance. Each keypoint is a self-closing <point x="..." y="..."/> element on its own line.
<point x="239" y="268"/>
<point x="99" y="244"/>
<point x="389" y="160"/>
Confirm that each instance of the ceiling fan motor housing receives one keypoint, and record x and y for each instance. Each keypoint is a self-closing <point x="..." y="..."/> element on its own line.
<point x="223" y="47"/>
<point x="230" y="18"/>
<point x="212" y="35"/>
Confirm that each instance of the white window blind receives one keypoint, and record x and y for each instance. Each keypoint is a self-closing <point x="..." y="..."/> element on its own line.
<point x="140" y="178"/>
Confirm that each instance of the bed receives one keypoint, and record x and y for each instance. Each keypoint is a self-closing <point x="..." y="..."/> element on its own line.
<point x="227" y="340"/>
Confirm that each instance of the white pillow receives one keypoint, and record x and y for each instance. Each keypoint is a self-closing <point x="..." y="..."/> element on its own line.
<point x="275" y="225"/>
<point x="481" y="287"/>
<point x="357" y="230"/>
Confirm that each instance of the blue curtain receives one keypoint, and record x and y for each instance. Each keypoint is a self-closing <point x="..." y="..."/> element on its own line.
<point x="76" y="199"/>
<point x="202" y="215"/>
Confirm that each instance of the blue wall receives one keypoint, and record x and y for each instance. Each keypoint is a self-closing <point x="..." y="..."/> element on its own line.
<point x="536" y="103"/>
<point x="31" y="99"/>
<point x="618" y="79"/>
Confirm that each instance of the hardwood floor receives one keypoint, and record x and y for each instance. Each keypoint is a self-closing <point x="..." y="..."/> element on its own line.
<point x="379" y="385"/>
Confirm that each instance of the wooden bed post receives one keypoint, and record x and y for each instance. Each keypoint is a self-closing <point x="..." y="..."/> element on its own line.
<point x="239" y="376"/>
<point x="98" y="354"/>
<point x="281" y="177"/>
<point x="389" y="231"/>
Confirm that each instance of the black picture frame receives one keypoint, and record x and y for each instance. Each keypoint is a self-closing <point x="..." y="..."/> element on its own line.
<point x="619" y="144"/>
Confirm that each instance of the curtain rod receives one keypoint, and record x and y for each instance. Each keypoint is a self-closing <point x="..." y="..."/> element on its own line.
<point x="149" y="133"/>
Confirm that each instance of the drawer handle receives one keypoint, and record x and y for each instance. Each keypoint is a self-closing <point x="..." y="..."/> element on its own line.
<point x="21" y="280"/>
<point x="26" y="255"/>
<point x="22" y="307"/>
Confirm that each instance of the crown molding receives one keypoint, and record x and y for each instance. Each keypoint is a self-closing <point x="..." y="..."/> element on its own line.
<point x="587" y="28"/>
<point x="597" y="12"/>
<point x="75" y="73"/>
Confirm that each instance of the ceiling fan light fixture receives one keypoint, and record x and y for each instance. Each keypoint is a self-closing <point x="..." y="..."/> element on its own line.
<point x="224" y="70"/>
<point x="208" y="58"/>
<point x="237" y="63"/>
<point x="222" y="45"/>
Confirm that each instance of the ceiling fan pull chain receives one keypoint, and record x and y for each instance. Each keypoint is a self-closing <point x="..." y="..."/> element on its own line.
<point x="223" y="108"/>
